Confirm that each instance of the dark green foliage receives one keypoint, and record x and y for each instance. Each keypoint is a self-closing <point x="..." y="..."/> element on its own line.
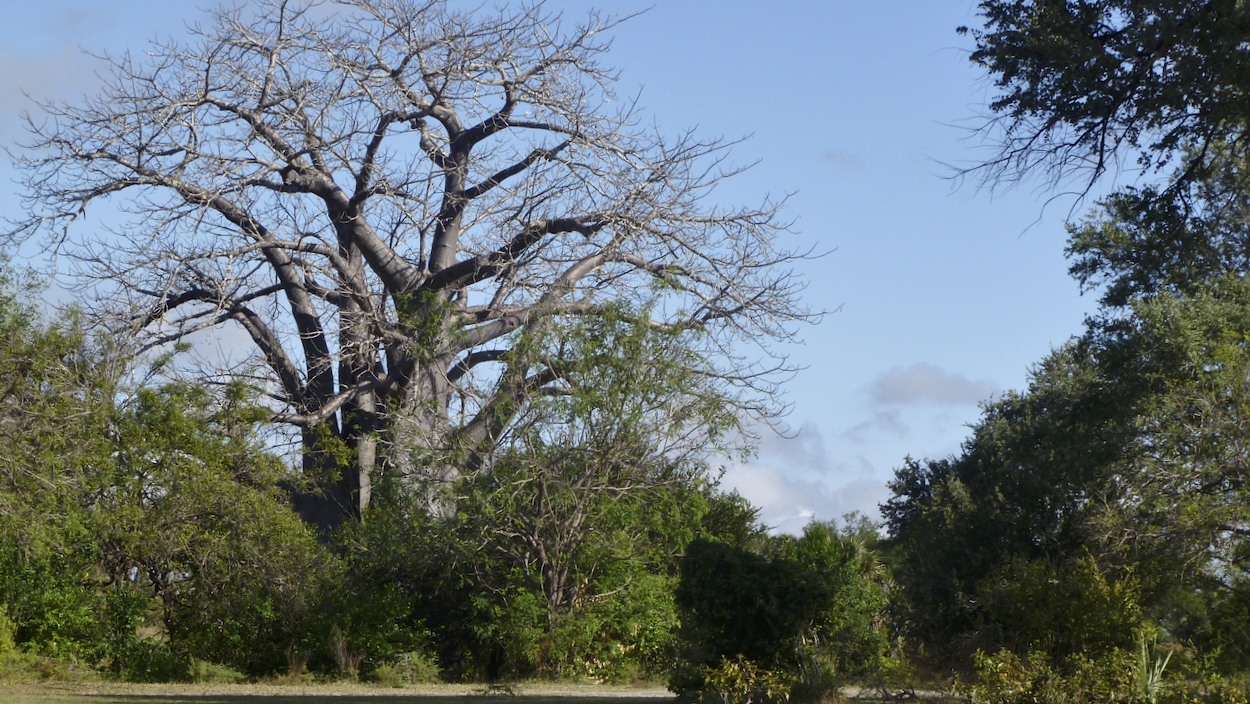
<point x="58" y="610"/>
<point x="56" y="389"/>
<point x="1221" y="627"/>
<point x="1096" y="503"/>
<point x="1026" y="540"/>
<point x="1008" y="678"/>
<point x="147" y="531"/>
<point x="139" y="528"/>
<point x="1083" y="80"/>
<point x="1126" y="450"/>
<point x="1176" y="261"/>
<point x="734" y="602"/>
<point x="195" y="516"/>
<point x="732" y="520"/>
<point x="1057" y="609"/>
<point x="1023" y="488"/>
<point x="446" y="588"/>
<point x="586" y="557"/>
<point x="846" y="637"/>
<point x="813" y="608"/>
<point x="1144" y="674"/>
<point x="1153" y="243"/>
<point x="1108" y="499"/>
<point x="567" y="538"/>
<point x="185" y="535"/>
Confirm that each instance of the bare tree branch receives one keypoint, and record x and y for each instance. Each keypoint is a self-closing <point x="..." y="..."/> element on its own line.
<point x="390" y="196"/>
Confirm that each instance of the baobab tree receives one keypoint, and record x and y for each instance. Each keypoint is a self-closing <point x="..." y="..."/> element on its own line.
<point x="394" y="200"/>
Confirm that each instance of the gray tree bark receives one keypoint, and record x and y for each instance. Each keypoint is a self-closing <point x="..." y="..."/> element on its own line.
<point x="390" y="199"/>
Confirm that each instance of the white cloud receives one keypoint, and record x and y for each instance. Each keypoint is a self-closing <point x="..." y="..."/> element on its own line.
<point x="926" y="383"/>
<point x="804" y="450"/>
<point x="883" y="422"/>
<point x="788" y="503"/>
<point x="850" y="161"/>
<point x="795" y="479"/>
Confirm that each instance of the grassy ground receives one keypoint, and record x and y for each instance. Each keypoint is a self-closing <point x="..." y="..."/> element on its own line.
<point x="337" y="693"/>
<point x="343" y="693"/>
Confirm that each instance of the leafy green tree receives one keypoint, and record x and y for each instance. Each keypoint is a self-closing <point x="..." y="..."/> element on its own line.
<point x="732" y="520"/>
<point x="846" y="637"/>
<point x="1151" y="240"/>
<point x="125" y="509"/>
<point x="1115" y="478"/>
<point x="1025" y="487"/>
<point x="559" y="559"/>
<point x="1186" y="491"/>
<point x="57" y="388"/>
<point x="735" y="602"/>
<point x="1057" y="608"/>
<point x="1083" y="82"/>
<point x="458" y="587"/>
<point x="1122" y="458"/>
<point x="813" y="608"/>
<point x="1180" y="275"/>
<point x="195" y="516"/>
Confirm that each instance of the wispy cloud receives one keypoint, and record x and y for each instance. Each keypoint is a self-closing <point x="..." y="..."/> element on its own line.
<point x="58" y="73"/>
<point x="795" y="479"/>
<point x="926" y="383"/>
<point x="846" y="160"/>
<point x="787" y="503"/>
<point x="803" y="450"/>
<point x="888" y="422"/>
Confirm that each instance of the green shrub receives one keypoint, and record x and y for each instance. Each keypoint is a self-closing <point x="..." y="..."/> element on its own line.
<point x="409" y="668"/>
<point x="740" y="681"/>
<point x="814" y="608"/>
<point x="20" y="666"/>
<point x="1006" y="678"/>
<point x="7" y="630"/>
<point x="417" y="668"/>
<point x="735" y="602"/>
<point x="1212" y="689"/>
<point x="296" y="669"/>
<point x="387" y="676"/>
<point x="205" y="672"/>
<point x="253" y="574"/>
<point x="1116" y="677"/>
<point x="150" y="661"/>
<point x="1060" y="609"/>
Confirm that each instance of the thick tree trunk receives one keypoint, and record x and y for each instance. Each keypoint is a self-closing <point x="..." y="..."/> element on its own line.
<point x="335" y="488"/>
<point x="420" y="450"/>
<point x="408" y="437"/>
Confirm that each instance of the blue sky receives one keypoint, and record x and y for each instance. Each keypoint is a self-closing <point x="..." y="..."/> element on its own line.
<point x="945" y="293"/>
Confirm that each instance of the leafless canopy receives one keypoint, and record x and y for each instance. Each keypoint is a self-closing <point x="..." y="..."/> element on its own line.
<point x="386" y="195"/>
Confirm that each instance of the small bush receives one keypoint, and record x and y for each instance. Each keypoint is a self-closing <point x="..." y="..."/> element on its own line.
<point x="626" y="672"/>
<point x="1061" y="609"/>
<point x="387" y="676"/>
<point x="740" y="681"/>
<point x="346" y="661"/>
<point x="417" y="668"/>
<point x="149" y="661"/>
<point x="205" y="672"/>
<point x="1117" y="677"/>
<point x="1006" y="678"/>
<point x="296" y="669"/>
<point x="7" y="630"/>
<point x="19" y="666"/>
<point x="1213" y="689"/>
